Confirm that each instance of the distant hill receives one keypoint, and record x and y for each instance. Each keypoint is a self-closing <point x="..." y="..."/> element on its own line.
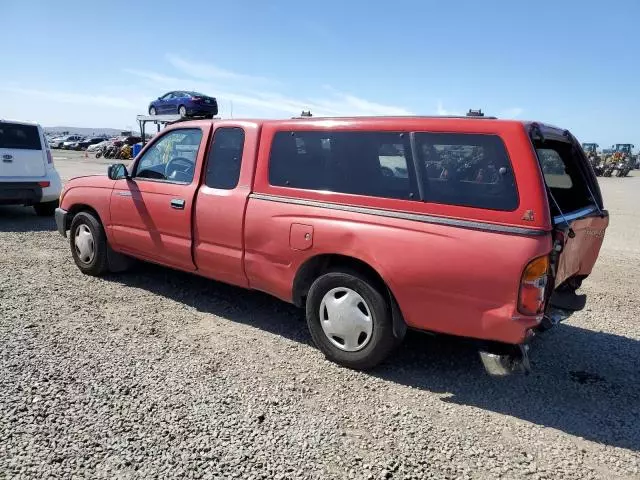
<point x="110" y="132"/>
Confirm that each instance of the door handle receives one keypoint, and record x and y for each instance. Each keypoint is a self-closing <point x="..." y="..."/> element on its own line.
<point x="177" y="203"/>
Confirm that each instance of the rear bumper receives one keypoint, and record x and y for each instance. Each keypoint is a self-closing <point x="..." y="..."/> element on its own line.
<point x="27" y="191"/>
<point x="61" y="221"/>
<point x="20" y="193"/>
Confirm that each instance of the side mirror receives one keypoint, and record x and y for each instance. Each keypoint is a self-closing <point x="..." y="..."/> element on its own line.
<point x="117" y="171"/>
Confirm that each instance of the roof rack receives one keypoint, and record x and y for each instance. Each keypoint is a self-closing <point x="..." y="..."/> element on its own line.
<point x="475" y="113"/>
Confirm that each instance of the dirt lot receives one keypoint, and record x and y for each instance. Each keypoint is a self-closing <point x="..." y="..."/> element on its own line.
<point x="158" y="374"/>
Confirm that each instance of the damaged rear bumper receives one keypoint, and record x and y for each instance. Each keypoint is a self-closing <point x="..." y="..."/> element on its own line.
<point x="502" y="359"/>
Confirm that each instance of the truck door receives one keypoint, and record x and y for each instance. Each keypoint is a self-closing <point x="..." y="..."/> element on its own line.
<point x="221" y="202"/>
<point x="151" y="211"/>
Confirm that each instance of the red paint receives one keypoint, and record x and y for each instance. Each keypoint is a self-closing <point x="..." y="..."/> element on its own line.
<point x="445" y="278"/>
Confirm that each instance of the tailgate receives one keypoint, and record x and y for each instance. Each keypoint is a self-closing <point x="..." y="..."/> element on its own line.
<point x="21" y="163"/>
<point x="581" y="248"/>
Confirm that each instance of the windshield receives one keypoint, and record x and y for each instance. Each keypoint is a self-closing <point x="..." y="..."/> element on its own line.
<point x="623" y="147"/>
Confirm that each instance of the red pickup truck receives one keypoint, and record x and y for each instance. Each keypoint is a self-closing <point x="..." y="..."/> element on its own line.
<point x="475" y="227"/>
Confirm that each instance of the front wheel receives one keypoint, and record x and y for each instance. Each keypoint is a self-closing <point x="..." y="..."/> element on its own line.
<point x="350" y="320"/>
<point x="88" y="244"/>
<point x="152" y="111"/>
<point x="182" y="111"/>
<point x="46" y="209"/>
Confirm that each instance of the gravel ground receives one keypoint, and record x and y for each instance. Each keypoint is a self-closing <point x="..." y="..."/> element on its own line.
<point x="158" y="374"/>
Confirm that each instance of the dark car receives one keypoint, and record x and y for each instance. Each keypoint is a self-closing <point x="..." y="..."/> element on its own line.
<point x="185" y="104"/>
<point x="131" y="140"/>
<point x="83" y="144"/>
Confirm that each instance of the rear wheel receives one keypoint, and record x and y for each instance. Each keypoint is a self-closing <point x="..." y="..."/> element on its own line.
<point x="350" y="320"/>
<point x="182" y="111"/>
<point x="88" y="244"/>
<point x="46" y="209"/>
<point x="152" y="111"/>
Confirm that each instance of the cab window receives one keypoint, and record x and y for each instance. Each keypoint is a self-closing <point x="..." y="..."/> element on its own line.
<point x="172" y="158"/>
<point x="225" y="158"/>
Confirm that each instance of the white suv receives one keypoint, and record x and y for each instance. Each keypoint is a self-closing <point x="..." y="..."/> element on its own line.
<point x="27" y="173"/>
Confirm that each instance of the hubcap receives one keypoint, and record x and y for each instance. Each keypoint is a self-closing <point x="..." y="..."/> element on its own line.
<point x="346" y="319"/>
<point x="183" y="111"/>
<point x="85" y="247"/>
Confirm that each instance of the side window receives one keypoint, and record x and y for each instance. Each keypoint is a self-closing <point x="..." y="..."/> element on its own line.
<point x="225" y="158"/>
<point x="466" y="169"/>
<point x="360" y="163"/>
<point x="168" y="96"/>
<point x="172" y="157"/>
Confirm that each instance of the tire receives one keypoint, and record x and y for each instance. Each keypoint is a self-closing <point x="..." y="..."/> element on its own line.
<point x="46" y="209"/>
<point x="182" y="111"/>
<point x="97" y="263"/>
<point x="372" y="303"/>
<point x="152" y="111"/>
<point x="98" y="154"/>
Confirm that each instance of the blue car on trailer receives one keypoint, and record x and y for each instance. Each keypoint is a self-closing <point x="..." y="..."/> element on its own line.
<point x="185" y="104"/>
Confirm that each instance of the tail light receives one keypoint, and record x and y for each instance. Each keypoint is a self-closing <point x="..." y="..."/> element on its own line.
<point x="49" y="157"/>
<point x="44" y="184"/>
<point x="532" y="286"/>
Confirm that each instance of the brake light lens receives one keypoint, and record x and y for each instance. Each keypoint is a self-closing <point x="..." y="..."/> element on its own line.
<point x="533" y="286"/>
<point x="44" y="184"/>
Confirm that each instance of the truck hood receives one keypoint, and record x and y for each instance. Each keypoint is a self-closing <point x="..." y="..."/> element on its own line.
<point x="91" y="181"/>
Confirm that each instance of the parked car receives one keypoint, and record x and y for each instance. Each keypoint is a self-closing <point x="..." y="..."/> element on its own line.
<point x="373" y="225"/>
<point x="185" y="104"/>
<point x="131" y="140"/>
<point x="98" y="146"/>
<point x="27" y="172"/>
<point x="60" y="141"/>
<point x="86" y="142"/>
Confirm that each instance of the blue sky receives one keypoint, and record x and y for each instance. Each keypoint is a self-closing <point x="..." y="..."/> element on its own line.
<point x="571" y="63"/>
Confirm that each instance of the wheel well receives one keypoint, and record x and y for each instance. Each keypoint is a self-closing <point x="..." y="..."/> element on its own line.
<point x="318" y="265"/>
<point x="77" y="208"/>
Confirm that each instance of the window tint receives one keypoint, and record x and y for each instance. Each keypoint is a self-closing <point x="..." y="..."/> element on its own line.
<point x="172" y="157"/>
<point x="553" y="169"/>
<point x="20" y="137"/>
<point x="225" y="158"/>
<point x="466" y="169"/>
<point x="360" y="163"/>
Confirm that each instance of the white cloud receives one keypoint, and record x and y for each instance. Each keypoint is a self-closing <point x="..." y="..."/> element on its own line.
<point x="75" y="98"/>
<point x="248" y="96"/>
<point x="254" y="102"/>
<point x="207" y="71"/>
<point x="445" y="112"/>
<point x="513" y="112"/>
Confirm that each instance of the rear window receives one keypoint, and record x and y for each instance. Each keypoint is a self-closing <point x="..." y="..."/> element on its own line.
<point x="466" y="170"/>
<point x="361" y="163"/>
<point x="560" y="163"/>
<point x="20" y="137"/>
